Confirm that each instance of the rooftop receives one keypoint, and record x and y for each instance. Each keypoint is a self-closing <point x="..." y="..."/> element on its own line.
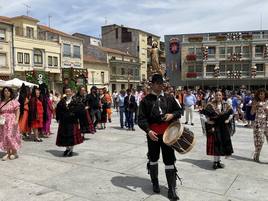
<point x="92" y="59"/>
<point x="115" y="25"/>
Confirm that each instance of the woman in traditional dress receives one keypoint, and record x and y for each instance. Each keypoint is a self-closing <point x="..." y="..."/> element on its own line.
<point x="219" y="116"/>
<point x="24" y="111"/>
<point x="67" y="115"/>
<point x="86" y="125"/>
<point x="103" y="103"/>
<point x="48" y="110"/>
<point x="260" y="109"/>
<point x="36" y="113"/>
<point x="10" y="138"/>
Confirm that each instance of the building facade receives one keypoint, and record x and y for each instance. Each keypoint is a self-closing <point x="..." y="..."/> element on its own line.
<point x="226" y="59"/>
<point x="98" y="72"/>
<point x="133" y="41"/>
<point x="41" y="54"/>
<point x="6" y="51"/>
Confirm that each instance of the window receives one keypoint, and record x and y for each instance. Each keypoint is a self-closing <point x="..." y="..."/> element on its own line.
<point x="229" y="67"/>
<point x="50" y="61"/>
<point x="191" y="68"/>
<point x="138" y="48"/>
<point x="38" y="56"/>
<point x="143" y="76"/>
<point x="229" y="50"/>
<point x="26" y="58"/>
<point x="122" y="71"/>
<point x="150" y="40"/>
<point x="260" y="67"/>
<point x="2" y="34"/>
<point x="222" y="68"/>
<point x="237" y="67"/>
<point x="191" y="50"/>
<point x="199" y="68"/>
<point x="55" y="61"/>
<point x="245" y="67"/>
<point x="126" y="36"/>
<point x="112" y="58"/>
<point x="116" y="33"/>
<point x="29" y="32"/>
<point x="137" y="72"/>
<point x="3" y="61"/>
<point x="222" y="52"/>
<point x="123" y="86"/>
<point x="211" y="50"/>
<point x="77" y="52"/>
<point x="113" y="70"/>
<point x="259" y="50"/>
<point x="246" y="51"/>
<point x="238" y="49"/>
<point x="199" y="53"/>
<point x="20" y="57"/>
<point x="66" y="50"/>
<point x="210" y="68"/>
<point x="102" y="77"/>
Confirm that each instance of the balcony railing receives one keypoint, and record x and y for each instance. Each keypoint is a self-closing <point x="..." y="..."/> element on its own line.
<point x="125" y="77"/>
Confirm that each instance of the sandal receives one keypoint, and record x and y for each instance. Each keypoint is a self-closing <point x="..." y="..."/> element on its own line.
<point x="5" y="157"/>
<point x="13" y="156"/>
<point x="38" y="140"/>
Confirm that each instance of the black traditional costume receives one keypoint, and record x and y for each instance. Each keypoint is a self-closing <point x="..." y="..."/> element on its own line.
<point x="152" y="109"/>
<point x="69" y="133"/>
<point x="219" y="128"/>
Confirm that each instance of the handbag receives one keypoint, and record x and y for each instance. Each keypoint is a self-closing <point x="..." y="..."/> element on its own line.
<point x="2" y="118"/>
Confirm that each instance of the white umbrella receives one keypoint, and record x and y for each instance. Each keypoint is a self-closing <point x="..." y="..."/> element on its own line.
<point x="17" y="83"/>
<point x="4" y="84"/>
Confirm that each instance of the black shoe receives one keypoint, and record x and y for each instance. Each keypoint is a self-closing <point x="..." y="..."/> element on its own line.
<point x="133" y="129"/>
<point x="110" y="121"/>
<point x="220" y="165"/>
<point x="153" y="170"/>
<point x="171" y="179"/>
<point x="192" y="124"/>
<point x="215" y="165"/>
<point x="70" y="153"/>
<point x="186" y="122"/>
<point x="66" y="152"/>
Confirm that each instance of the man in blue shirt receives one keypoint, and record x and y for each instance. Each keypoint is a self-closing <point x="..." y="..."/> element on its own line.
<point x="120" y="100"/>
<point x="189" y="103"/>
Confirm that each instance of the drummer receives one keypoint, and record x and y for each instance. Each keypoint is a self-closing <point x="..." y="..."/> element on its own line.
<point x="156" y="111"/>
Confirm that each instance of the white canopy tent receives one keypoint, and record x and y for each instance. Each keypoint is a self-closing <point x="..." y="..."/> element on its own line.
<point x="17" y="83"/>
<point x="4" y="84"/>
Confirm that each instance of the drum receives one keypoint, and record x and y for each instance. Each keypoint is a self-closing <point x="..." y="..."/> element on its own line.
<point x="179" y="138"/>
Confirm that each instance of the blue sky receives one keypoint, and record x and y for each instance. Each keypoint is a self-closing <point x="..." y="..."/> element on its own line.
<point x="160" y="17"/>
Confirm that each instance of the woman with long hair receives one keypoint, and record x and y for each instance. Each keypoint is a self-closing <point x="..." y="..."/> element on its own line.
<point x="48" y="110"/>
<point x="36" y="113"/>
<point x="10" y="138"/>
<point x="103" y="108"/>
<point x="67" y="114"/>
<point x="219" y="115"/>
<point x="260" y="110"/>
<point x="24" y="110"/>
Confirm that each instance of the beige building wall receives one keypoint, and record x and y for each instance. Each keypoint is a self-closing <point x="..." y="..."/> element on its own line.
<point x="96" y="73"/>
<point x="6" y="50"/>
<point x="67" y="62"/>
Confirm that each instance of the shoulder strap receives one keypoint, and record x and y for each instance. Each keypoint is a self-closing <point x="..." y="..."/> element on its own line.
<point x="5" y="104"/>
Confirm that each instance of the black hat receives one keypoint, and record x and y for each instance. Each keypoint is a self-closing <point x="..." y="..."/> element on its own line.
<point x="157" y="78"/>
<point x="94" y="88"/>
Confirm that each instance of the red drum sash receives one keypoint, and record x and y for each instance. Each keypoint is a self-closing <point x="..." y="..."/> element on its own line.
<point x="159" y="128"/>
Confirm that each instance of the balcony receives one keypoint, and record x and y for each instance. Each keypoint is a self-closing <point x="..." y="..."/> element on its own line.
<point x="36" y="35"/>
<point x="124" y="77"/>
<point x="191" y="57"/>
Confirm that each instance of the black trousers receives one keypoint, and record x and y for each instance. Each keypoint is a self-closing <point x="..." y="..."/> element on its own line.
<point x="168" y="153"/>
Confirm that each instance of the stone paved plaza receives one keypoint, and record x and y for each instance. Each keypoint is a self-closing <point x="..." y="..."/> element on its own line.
<point x="111" y="166"/>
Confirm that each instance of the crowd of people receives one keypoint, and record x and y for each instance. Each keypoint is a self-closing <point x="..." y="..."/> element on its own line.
<point x="29" y="115"/>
